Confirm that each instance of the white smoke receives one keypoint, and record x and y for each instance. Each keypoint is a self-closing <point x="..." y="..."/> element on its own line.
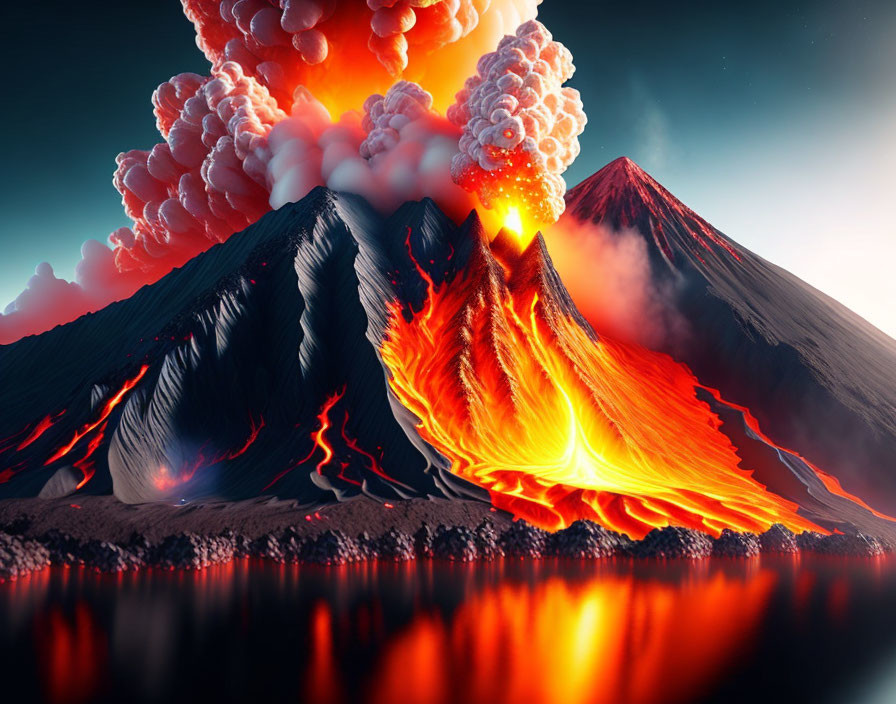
<point x="520" y="126"/>
<point x="399" y="150"/>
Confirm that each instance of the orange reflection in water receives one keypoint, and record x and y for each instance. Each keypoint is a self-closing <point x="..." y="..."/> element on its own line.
<point x="613" y="638"/>
<point x="72" y="653"/>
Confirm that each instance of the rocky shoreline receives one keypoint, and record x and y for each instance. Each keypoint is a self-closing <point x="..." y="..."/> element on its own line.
<point x="34" y="536"/>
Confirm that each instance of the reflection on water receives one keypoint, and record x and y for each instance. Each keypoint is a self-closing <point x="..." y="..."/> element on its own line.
<point x="606" y="638"/>
<point x="431" y="633"/>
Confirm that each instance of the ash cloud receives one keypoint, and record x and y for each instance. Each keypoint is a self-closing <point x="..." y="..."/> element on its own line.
<point x="317" y="43"/>
<point x="48" y="301"/>
<point x="231" y="151"/>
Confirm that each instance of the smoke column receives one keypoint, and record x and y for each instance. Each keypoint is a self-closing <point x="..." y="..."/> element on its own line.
<point x="281" y="113"/>
<point x="609" y="271"/>
<point x="399" y="150"/>
<point x="520" y="126"/>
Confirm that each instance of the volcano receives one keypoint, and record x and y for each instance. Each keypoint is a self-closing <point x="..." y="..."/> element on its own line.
<point x="818" y="377"/>
<point x="327" y="353"/>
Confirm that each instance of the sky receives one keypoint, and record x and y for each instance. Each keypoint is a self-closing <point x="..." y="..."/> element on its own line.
<point x="773" y="120"/>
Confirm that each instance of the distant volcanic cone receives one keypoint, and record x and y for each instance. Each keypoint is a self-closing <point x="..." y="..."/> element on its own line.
<point x="328" y="352"/>
<point x="819" y="379"/>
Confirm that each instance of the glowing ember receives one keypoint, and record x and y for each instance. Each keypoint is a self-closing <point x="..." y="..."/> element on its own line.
<point x="520" y="125"/>
<point x="322" y="443"/>
<point x="558" y="426"/>
<point x="253" y="436"/>
<point x="86" y="465"/>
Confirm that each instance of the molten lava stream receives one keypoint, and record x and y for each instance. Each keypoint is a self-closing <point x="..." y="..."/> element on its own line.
<point x="559" y="427"/>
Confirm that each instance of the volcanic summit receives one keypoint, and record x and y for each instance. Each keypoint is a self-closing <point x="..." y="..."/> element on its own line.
<point x="818" y="377"/>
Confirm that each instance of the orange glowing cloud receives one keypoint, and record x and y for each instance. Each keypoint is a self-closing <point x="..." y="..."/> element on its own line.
<point x="318" y="43"/>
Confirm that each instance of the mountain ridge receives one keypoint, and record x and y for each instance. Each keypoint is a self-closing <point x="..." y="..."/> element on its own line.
<point x="791" y="346"/>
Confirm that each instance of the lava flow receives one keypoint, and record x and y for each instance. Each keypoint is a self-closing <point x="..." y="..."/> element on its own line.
<point x="559" y="426"/>
<point x="97" y="428"/>
<point x="324" y="444"/>
<point x="104" y="414"/>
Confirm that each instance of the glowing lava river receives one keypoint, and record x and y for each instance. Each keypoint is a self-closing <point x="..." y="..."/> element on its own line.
<point x="548" y="632"/>
<point x="509" y="384"/>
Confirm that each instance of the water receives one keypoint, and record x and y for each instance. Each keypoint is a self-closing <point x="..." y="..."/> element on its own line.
<point x="798" y="629"/>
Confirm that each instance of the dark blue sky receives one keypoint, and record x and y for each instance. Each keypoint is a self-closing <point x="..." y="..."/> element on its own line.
<point x="772" y="119"/>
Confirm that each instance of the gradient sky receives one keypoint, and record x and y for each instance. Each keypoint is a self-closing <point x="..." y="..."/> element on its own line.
<point x="774" y="120"/>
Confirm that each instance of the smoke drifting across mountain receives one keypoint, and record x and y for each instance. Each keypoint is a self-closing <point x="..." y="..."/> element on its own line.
<point x="609" y="271"/>
<point x="234" y="146"/>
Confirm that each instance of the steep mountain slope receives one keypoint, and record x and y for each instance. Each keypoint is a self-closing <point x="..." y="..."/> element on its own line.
<point x="253" y="369"/>
<point x="820" y="379"/>
<point x="327" y="352"/>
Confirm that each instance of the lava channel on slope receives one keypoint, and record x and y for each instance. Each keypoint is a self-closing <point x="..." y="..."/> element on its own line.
<point x="559" y="424"/>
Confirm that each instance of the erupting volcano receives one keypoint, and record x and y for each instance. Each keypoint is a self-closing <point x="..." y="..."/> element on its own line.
<point x="328" y="352"/>
<point x="348" y="293"/>
<point x="557" y="423"/>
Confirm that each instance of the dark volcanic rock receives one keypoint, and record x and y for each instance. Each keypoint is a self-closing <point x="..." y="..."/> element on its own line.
<point x="809" y="541"/>
<point x="242" y="545"/>
<point x="268" y="546"/>
<point x="367" y="546"/>
<point x="332" y="547"/>
<point x="63" y="549"/>
<point x="584" y="539"/>
<point x="779" y="539"/>
<point x="104" y="556"/>
<point x="673" y="541"/>
<point x="19" y="556"/>
<point x="523" y="540"/>
<point x="139" y="546"/>
<point x="226" y="363"/>
<point x="456" y="543"/>
<point x="423" y="541"/>
<point x="395" y="545"/>
<point x="191" y="551"/>
<point x="487" y="540"/>
<point x="63" y="482"/>
<point x="16" y="526"/>
<point x="733" y="544"/>
<point x="857" y="545"/>
<point x="290" y="545"/>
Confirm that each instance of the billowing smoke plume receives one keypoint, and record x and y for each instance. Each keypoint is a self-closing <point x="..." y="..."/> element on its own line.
<point x="399" y="150"/>
<point x="319" y="43"/>
<point x="234" y="147"/>
<point x="206" y="180"/>
<point x="520" y="126"/>
<point x="609" y="271"/>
